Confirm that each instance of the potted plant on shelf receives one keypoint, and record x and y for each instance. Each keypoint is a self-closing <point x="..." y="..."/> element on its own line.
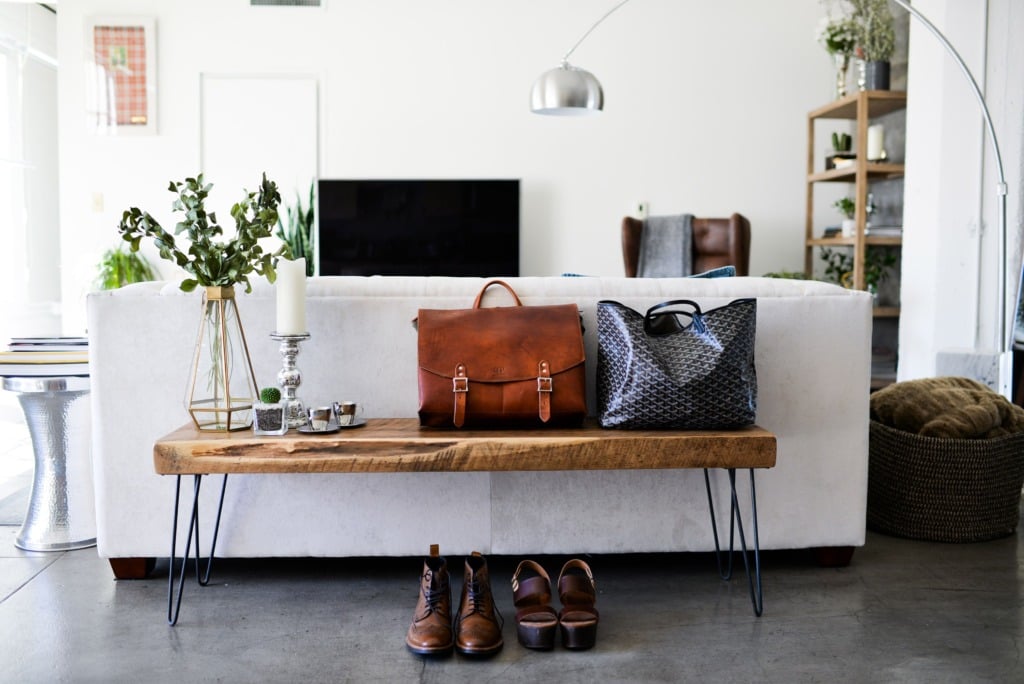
<point x="221" y="389"/>
<point x="838" y="37"/>
<point x="268" y="413"/>
<point x="841" y="151"/>
<point x="847" y="208"/>
<point x="876" y="41"/>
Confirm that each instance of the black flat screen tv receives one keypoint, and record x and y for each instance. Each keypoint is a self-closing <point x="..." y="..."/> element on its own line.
<point x="419" y="227"/>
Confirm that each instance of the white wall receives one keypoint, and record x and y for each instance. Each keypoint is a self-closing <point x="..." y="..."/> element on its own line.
<point x="705" y="112"/>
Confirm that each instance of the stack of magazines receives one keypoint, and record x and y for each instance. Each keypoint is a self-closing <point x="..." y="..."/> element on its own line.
<point x="45" y="356"/>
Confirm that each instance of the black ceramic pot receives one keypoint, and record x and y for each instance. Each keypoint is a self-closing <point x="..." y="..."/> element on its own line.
<point x="876" y="76"/>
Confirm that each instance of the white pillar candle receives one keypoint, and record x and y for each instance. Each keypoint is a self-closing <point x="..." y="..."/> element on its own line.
<point x="876" y="142"/>
<point x="291" y="297"/>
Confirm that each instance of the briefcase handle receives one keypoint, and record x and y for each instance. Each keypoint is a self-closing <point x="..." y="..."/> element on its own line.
<point x="479" y="297"/>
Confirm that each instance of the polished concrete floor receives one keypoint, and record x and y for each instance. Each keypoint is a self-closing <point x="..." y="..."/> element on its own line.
<point x="903" y="611"/>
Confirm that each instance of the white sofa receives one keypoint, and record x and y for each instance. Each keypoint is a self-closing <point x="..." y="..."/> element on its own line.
<point x="813" y="365"/>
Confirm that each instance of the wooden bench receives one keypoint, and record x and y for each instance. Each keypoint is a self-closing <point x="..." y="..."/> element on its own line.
<point x="394" y="445"/>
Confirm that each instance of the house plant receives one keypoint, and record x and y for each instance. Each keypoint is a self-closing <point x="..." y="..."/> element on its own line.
<point x="878" y="262"/>
<point x="841" y="152"/>
<point x="841" y="142"/>
<point x="847" y="208"/>
<point x="838" y="36"/>
<point x="298" y="235"/>
<point x="221" y="389"/>
<point x="876" y="41"/>
<point x="268" y="413"/>
<point x="118" y="268"/>
<point x="786" y="274"/>
<point x="212" y="263"/>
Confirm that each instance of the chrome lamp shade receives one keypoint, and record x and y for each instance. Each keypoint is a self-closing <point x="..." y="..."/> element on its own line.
<point x="566" y="91"/>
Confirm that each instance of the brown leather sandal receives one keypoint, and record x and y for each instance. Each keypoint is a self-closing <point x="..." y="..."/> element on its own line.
<point x="578" y="617"/>
<point x="536" y="620"/>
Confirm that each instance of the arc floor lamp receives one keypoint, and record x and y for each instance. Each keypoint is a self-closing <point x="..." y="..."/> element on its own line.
<point x="570" y="91"/>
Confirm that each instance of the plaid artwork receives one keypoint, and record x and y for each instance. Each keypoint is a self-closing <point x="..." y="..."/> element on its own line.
<point x="121" y="52"/>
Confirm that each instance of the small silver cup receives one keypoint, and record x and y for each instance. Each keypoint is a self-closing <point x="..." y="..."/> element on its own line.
<point x="346" y="411"/>
<point x="320" y="417"/>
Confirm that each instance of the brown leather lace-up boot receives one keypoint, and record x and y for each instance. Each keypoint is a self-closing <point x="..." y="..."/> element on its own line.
<point x="478" y="624"/>
<point x="431" y="630"/>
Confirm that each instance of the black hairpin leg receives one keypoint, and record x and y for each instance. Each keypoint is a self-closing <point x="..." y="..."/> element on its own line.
<point x="736" y="523"/>
<point x="174" y="605"/>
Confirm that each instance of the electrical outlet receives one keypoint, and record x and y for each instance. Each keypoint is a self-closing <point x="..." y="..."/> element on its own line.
<point x="97" y="202"/>
<point x="640" y="210"/>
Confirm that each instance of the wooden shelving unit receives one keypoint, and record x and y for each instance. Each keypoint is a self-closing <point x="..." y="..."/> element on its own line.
<point x="861" y="107"/>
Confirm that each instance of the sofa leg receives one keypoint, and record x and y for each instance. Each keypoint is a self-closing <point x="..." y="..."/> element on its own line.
<point x="132" y="568"/>
<point x="833" y="556"/>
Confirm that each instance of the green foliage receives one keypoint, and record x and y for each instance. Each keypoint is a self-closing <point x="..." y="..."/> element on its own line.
<point x="298" y="234"/>
<point x="789" y="275"/>
<point x="838" y="36"/>
<point x="270" y="395"/>
<point x="118" y="268"/>
<point x="837" y="264"/>
<point x="841" y="142"/>
<point x="845" y="206"/>
<point x="878" y="261"/>
<point x="876" y="37"/>
<point x="212" y="263"/>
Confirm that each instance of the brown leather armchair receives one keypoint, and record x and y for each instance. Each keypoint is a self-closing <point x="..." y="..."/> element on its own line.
<point x="717" y="242"/>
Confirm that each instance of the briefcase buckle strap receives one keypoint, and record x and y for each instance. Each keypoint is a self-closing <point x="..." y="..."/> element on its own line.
<point x="544" y="389"/>
<point x="460" y="387"/>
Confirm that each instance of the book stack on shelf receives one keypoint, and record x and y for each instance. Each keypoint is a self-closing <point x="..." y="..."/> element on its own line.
<point x="45" y="356"/>
<point x="832" y="232"/>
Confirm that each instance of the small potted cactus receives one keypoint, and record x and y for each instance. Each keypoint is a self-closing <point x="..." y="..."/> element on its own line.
<point x="268" y="413"/>
<point x="841" y="153"/>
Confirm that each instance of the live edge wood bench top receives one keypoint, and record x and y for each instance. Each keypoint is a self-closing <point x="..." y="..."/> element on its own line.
<point x="389" y="445"/>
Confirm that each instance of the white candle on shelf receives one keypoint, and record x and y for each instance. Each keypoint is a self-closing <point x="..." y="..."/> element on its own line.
<point x="291" y="297"/>
<point x="876" y="142"/>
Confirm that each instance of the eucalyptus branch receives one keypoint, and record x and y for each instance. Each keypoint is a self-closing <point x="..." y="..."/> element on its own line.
<point x="211" y="262"/>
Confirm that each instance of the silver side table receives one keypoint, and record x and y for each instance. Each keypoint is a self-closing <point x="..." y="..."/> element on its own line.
<point x="61" y="511"/>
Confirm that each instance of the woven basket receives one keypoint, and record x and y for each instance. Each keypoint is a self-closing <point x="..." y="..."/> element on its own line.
<point x="948" y="490"/>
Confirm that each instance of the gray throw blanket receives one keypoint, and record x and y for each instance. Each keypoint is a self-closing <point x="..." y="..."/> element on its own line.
<point x="666" y="247"/>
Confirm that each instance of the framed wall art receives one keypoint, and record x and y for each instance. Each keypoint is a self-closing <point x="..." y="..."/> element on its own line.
<point x="121" y="90"/>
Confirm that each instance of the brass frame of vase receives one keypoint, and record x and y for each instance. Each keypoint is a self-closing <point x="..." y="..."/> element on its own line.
<point x="229" y="413"/>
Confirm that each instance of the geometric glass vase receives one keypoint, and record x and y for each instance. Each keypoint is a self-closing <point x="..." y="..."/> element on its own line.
<point x="222" y="388"/>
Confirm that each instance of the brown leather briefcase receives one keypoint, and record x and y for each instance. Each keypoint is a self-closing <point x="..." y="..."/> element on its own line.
<point x="506" y="366"/>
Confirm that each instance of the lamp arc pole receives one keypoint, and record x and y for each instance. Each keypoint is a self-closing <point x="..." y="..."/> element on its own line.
<point x="1004" y="329"/>
<point x="555" y="93"/>
<point x="565" y="58"/>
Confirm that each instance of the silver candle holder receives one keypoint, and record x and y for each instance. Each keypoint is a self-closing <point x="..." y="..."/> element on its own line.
<point x="290" y="377"/>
